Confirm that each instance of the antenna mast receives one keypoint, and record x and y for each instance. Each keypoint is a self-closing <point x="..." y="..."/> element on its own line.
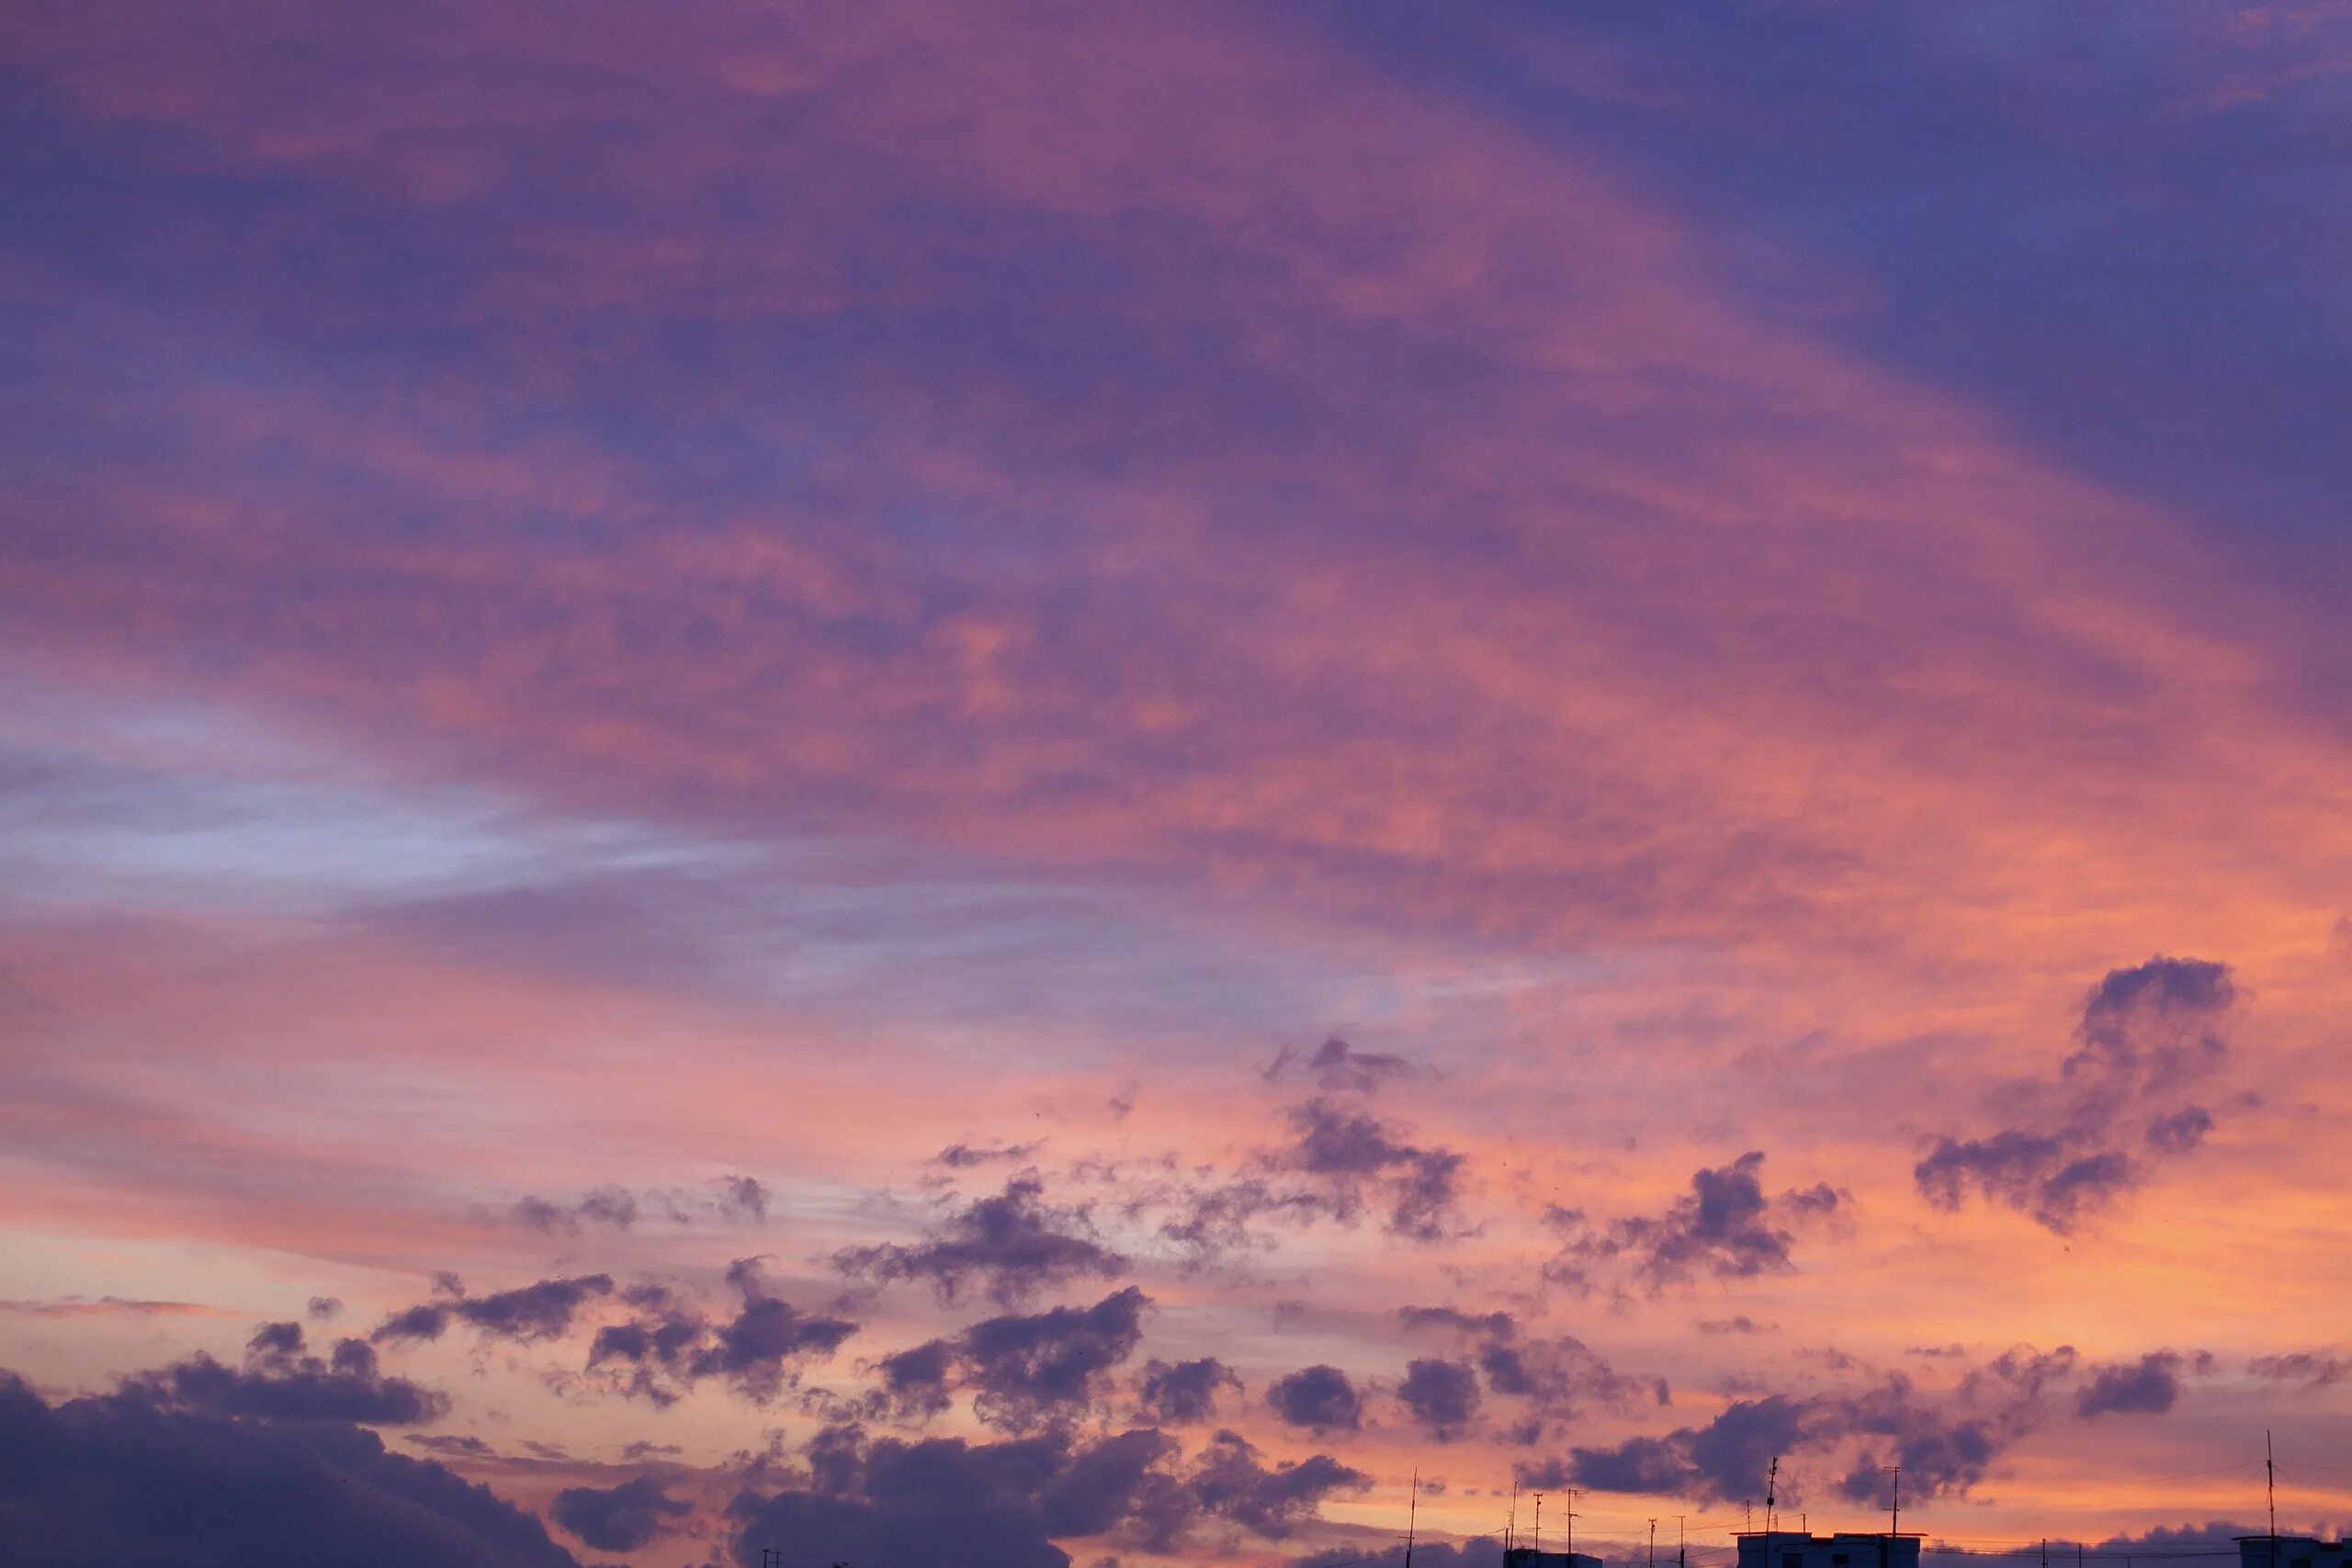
<point x="1771" y="1494"/>
<point x="1539" y="1521"/>
<point x="1510" y="1525"/>
<point x="1412" y="1515"/>
<point x="2270" y="1488"/>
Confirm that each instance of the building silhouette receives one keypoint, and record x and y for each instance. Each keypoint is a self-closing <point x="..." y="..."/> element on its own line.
<point x="2289" y="1552"/>
<point x="1846" y="1549"/>
<point x="1528" y="1557"/>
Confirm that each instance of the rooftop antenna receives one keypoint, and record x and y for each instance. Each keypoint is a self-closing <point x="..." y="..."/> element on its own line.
<point x="1510" y="1525"/>
<point x="2270" y="1491"/>
<point x="1681" y="1553"/>
<point x="1539" y="1521"/>
<point x="1771" y="1494"/>
<point x="1412" y="1515"/>
<point x="2270" y="1488"/>
<point x="1652" y="1543"/>
<point x="1572" y="1522"/>
<point x="1894" y="1498"/>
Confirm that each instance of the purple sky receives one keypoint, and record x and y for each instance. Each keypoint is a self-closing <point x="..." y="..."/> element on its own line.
<point x="1045" y="783"/>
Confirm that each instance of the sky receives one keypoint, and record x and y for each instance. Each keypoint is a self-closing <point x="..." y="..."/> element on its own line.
<point x="1085" y="783"/>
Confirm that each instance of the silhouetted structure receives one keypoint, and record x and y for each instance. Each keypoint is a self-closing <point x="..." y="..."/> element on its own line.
<point x="1528" y="1557"/>
<point x="1846" y="1549"/>
<point x="2289" y="1552"/>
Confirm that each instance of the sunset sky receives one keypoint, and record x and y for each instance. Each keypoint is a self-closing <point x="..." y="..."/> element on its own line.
<point x="1013" y="784"/>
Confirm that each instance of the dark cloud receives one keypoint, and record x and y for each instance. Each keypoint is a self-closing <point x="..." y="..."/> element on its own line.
<point x="1026" y="1370"/>
<point x="280" y="1381"/>
<point x="2148" y="1035"/>
<point x="619" y="1519"/>
<point x="527" y="1315"/>
<point x="739" y="1200"/>
<point x="2033" y="1173"/>
<point x="914" y="1382"/>
<point x="1441" y="1395"/>
<point x="323" y="1309"/>
<point x="1185" y="1394"/>
<point x="1945" y="1442"/>
<point x="1218" y="1218"/>
<point x="1230" y="1482"/>
<point x="127" y="1479"/>
<point x="1338" y="1068"/>
<point x="1117" y="1480"/>
<point x="669" y="1343"/>
<point x="742" y="1198"/>
<point x="1356" y="1155"/>
<point x="1005" y="1504"/>
<point x="1742" y="1323"/>
<point x="965" y="1157"/>
<point x="2213" y="1532"/>
<point x="1724" y="1461"/>
<point x="1500" y="1325"/>
<point x="615" y="1207"/>
<point x="1317" y="1398"/>
<point x="1557" y="1375"/>
<point x="1724" y="1227"/>
<point x="2311" y="1368"/>
<point x="1014" y="1243"/>
<point x="939" y="1501"/>
<point x="1338" y="1162"/>
<point x="2149" y="1386"/>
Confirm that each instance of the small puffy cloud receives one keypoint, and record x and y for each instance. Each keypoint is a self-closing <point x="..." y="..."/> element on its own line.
<point x="1497" y="1325"/>
<point x="280" y="1380"/>
<point x="2311" y="1368"/>
<point x="2149" y="1386"/>
<point x="914" y="1382"/>
<point x="1355" y="1152"/>
<point x="1441" y="1395"/>
<point x="1725" y="1227"/>
<point x="742" y="1198"/>
<point x="739" y="1199"/>
<point x="1557" y="1375"/>
<point x="1012" y="1244"/>
<point x="966" y="1157"/>
<point x="1317" y="1399"/>
<point x="619" y="1519"/>
<point x="1945" y="1442"/>
<point x="527" y="1315"/>
<point x="1185" y="1394"/>
<point x="667" y="1343"/>
<point x="1025" y="1371"/>
<point x="2148" y="1035"/>
<point x="1230" y="1481"/>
